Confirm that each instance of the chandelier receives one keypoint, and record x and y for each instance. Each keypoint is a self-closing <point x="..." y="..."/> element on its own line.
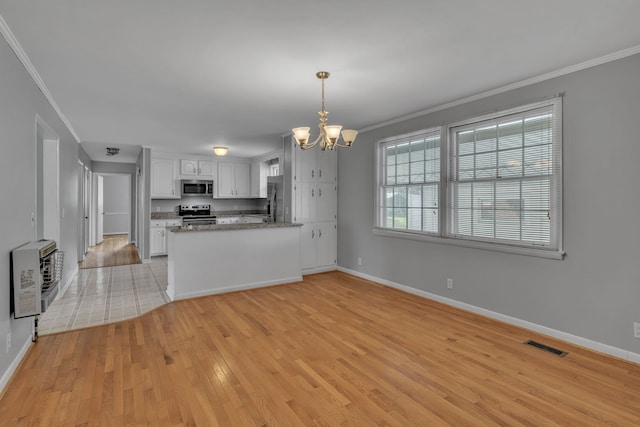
<point x="329" y="134"/>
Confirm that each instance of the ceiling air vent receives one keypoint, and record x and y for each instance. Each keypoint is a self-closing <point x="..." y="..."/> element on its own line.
<point x="546" y="348"/>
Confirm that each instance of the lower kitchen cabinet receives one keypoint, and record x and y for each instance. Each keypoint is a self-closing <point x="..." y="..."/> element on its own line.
<point x="319" y="245"/>
<point x="158" y="238"/>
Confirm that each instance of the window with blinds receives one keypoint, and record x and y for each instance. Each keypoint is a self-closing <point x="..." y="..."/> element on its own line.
<point x="410" y="190"/>
<point x="504" y="181"/>
<point x="502" y="184"/>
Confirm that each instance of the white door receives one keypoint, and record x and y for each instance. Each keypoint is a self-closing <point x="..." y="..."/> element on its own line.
<point x="225" y="180"/>
<point x="100" y="221"/>
<point x="327" y="166"/>
<point x="326" y="243"/>
<point x="242" y="180"/>
<point x="309" y="202"/>
<point x="327" y="200"/>
<point x="308" y="244"/>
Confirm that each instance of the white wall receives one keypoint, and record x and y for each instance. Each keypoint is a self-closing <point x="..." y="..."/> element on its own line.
<point x="20" y="102"/>
<point x="595" y="292"/>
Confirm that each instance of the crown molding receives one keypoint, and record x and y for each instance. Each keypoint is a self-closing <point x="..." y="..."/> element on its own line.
<point x="28" y="65"/>
<point x="537" y="79"/>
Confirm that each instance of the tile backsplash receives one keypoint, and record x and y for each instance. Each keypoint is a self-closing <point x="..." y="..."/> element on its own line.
<point x="161" y="205"/>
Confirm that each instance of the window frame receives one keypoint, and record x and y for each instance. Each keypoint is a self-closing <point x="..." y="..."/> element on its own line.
<point x="554" y="250"/>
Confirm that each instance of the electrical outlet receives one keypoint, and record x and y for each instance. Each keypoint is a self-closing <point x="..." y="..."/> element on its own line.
<point x="8" y="342"/>
<point x="636" y="330"/>
<point x="449" y="283"/>
<point x="359" y="261"/>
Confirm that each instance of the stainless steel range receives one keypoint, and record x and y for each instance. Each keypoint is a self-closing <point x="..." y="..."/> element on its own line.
<point x="196" y="215"/>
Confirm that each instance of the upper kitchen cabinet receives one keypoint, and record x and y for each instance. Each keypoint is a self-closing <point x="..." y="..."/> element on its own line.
<point x="234" y="180"/>
<point x="193" y="167"/>
<point x="164" y="182"/>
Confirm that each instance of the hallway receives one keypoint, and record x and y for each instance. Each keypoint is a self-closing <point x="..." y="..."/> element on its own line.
<point x="113" y="250"/>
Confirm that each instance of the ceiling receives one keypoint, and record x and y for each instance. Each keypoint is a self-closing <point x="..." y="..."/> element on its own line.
<point x="183" y="76"/>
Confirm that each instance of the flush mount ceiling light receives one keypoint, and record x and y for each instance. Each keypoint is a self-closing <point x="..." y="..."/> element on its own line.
<point x="112" y="151"/>
<point x="329" y="134"/>
<point x="220" y="151"/>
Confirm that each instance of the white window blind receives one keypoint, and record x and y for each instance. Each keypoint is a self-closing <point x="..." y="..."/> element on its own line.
<point x="409" y="189"/>
<point x="505" y="178"/>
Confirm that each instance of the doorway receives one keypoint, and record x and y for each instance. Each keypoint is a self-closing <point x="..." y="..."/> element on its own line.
<point x="111" y="222"/>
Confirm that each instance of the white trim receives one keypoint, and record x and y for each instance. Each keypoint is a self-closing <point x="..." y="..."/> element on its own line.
<point x="28" y="65"/>
<point x="574" y="339"/>
<point x="495" y="247"/>
<point x="319" y="270"/>
<point x="522" y="83"/>
<point x="14" y="365"/>
<point x="237" y="288"/>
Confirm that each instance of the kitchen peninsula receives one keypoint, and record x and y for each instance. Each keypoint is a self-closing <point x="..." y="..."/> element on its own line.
<point x="211" y="259"/>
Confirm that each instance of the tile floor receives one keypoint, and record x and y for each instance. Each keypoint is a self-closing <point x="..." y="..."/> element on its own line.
<point x="108" y="294"/>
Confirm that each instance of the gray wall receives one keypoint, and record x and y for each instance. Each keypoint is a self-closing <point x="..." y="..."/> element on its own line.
<point x="595" y="292"/>
<point x="20" y="102"/>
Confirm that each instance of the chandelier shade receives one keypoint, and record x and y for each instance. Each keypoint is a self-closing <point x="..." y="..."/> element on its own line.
<point x="329" y="136"/>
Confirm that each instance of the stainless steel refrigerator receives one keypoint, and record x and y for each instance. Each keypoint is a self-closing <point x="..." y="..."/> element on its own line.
<point x="275" y="198"/>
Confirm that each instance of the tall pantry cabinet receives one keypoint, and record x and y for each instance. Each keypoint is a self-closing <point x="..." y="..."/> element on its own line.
<point x="315" y="205"/>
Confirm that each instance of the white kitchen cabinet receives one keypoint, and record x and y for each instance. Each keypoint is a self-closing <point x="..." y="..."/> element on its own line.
<point x="318" y="243"/>
<point x="315" y="205"/>
<point x="234" y="180"/>
<point x="326" y="244"/>
<point x="206" y="168"/>
<point x="158" y="238"/>
<point x="193" y="167"/>
<point x="164" y="183"/>
<point x="158" y="233"/>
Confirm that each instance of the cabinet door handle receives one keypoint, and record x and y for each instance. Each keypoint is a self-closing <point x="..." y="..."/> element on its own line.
<point x="320" y="173"/>
<point x="313" y="234"/>
<point x="320" y="233"/>
<point x="312" y="173"/>
<point x="313" y="192"/>
<point x="319" y="192"/>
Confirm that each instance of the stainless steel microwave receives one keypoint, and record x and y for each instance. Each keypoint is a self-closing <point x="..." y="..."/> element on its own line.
<point x="196" y="187"/>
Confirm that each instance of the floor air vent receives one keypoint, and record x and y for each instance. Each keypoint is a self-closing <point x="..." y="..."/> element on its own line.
<point x="546" y="348"/>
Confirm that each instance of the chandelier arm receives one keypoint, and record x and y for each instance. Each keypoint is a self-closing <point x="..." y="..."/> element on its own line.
<point x="337" y="144"/>
<point x="309" y="145"/>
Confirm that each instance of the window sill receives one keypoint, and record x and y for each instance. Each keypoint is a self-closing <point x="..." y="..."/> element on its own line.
<point x="528" y="251"/>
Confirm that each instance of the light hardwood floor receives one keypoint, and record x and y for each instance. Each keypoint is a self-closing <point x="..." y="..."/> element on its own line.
<point x="333" y="350"/>
<point x="112" y="251"/>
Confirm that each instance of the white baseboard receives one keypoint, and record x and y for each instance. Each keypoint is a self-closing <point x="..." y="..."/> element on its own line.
<point x="238" y="288"/>
<point x="574" y="339"/>
<point x="14" y="365"/>
<point x="319" y="270"/>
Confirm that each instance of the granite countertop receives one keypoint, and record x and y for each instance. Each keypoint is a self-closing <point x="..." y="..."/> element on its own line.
<point x="228" y="227"/>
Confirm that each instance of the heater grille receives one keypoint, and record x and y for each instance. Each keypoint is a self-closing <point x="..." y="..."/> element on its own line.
<point x="546" y="348"/>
